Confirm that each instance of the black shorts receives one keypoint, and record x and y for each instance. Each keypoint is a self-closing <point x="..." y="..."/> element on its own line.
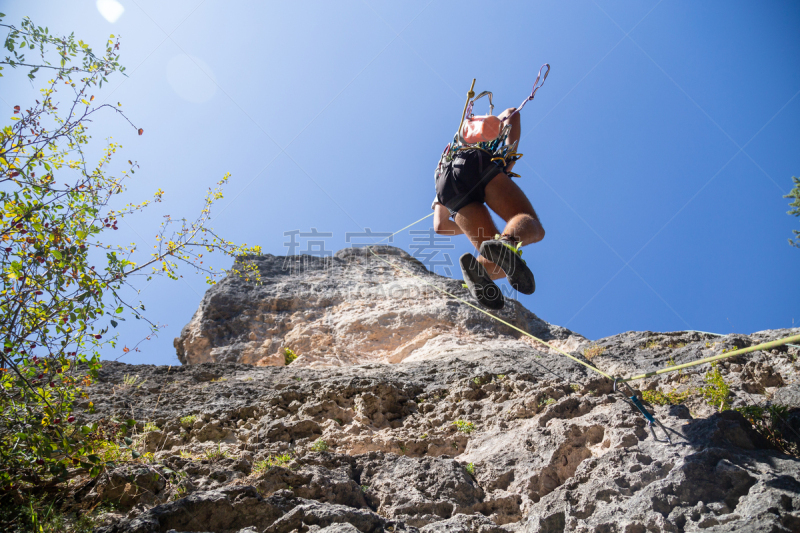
<point x="463" y="180"/>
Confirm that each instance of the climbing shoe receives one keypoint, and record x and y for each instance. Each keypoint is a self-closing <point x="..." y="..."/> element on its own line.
<point x="479" y="283"/>
<point x="506" y="254"/>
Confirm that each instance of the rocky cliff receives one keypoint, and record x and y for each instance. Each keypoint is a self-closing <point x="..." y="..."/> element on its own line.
<point x="470" y="430"/>
<point x="347" y="309"/>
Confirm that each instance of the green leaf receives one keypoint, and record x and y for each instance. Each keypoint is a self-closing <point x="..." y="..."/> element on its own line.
<point x="114" y="323"/>
<point x="119" y="310"/>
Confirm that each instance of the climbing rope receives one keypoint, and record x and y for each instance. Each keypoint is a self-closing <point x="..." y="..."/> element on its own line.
<point x="485" y="312"/>
<point x="634" y="399"/>
<point x="402" y="229"/>
<point x="763" y="346"/>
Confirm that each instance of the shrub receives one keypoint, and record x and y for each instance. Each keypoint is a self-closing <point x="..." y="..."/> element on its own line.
<point x="216" y="454"/>
<point x="130" y="382"/>
<point x="188" y="420"/>
<point x="319" y="446"/>
<point x="656" y="397"/>
<point x="470" y="468"/>
<point x="42" y="514"/>
<point x="464" y="427"/>
<point x="269" y="462"/>
<point x="593" y="351"/>
<point x="771" y="423"/>
<point x="61" y="279"/>
<point x="717" y="391"/>
<point x="547" y="401"/>
<point x="288" y="356"/>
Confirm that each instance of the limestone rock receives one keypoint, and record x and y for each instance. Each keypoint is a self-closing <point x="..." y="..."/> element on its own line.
<point x="419" y="414"/>
<point x="788" y="396"/>
<point x="347" y="309"/>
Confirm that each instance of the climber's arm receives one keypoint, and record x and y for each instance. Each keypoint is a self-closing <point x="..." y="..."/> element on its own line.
<point x="516" y="129"/>
<point x="442" y="223"/>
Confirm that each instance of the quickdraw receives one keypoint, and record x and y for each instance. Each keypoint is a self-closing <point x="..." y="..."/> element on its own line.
<point x="496" y="147"/>
<point x="652" y="421"/>
<point x="536" y="87"/>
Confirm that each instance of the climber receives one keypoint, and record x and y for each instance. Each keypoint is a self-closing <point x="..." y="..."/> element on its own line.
<point x="465" y="185"/>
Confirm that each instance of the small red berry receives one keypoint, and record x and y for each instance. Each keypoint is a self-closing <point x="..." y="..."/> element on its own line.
<point x="52" y="385"/>
<point x="71" y="419"/>
<point x="56" y="421"/>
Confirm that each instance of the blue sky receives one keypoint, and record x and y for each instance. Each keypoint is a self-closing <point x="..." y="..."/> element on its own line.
<point x="656" y="154"/>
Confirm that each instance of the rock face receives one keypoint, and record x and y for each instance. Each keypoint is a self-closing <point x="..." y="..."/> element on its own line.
<point x="474" y="431"/>
<point x="347" y="309"/>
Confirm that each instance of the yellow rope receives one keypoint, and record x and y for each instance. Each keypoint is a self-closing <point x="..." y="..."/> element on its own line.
<point x="764" y="346"/>
<point x="512" y="326"/>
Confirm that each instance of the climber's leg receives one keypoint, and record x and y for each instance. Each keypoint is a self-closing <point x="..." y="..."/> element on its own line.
<point x="522" y="226"/>
<point x="476" y="222"/>
<point x="506" y="199"/>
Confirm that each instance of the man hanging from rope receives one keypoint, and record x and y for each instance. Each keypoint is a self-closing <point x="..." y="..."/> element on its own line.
<point x="472" y="180"/>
